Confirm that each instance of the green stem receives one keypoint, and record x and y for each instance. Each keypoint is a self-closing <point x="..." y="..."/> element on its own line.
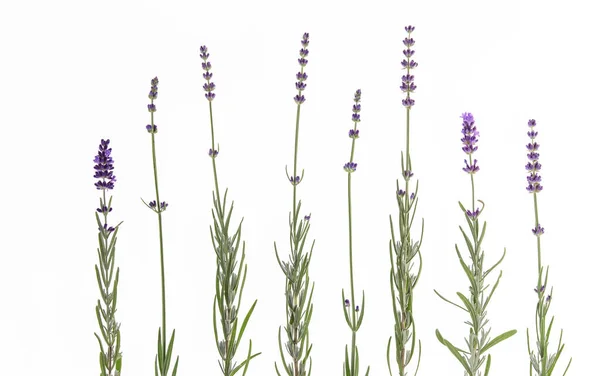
<point x="540" y="309"/>
<point x="160" y="235"/>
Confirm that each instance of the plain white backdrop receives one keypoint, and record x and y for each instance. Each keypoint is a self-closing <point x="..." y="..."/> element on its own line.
<point x="73" y="72"/>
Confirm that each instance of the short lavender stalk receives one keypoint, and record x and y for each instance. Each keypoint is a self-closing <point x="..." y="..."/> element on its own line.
<point x="404" y="250"/>
<point x="542" y="362"/>
<point x="351" y="310"/>
<point x="162" y="360"/>
<point x="478" y="341"/>
<point x="231" y="269"/>
<point x="298" y="308"/>
<point x="110" y="329"/>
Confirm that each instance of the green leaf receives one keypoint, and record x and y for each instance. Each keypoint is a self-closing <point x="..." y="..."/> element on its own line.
<point x="448" y="301"/>
<point x="454" y="351"/>
<point x="169" y="351"/>
<point x="175" y="368"/>
<point x="388" y="355"/>
<point x="245" y="322"/>
<point x="497" y="340"/>
<point x="487" y="365"/>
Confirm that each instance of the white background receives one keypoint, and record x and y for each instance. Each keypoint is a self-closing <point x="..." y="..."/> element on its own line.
<point x="75" y="72"/>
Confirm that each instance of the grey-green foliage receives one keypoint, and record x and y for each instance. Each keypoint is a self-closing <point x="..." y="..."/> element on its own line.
<point x="299" y="306"/>
<point x="479" y="341"/>
<point x="109" y="339"/>
<point x="230" y="280"/>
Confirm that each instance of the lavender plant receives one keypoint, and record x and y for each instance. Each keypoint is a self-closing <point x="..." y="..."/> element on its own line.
<point x="542" y="361"/>
<point x="231" y="270"/>
<point x="110" y="329"/>
<point x="351" y="310"/>
<point x="404" y="250"/>
<point x="162" y="360"/>
<point x="298" y="308"/>
<point x="478" y="341"/>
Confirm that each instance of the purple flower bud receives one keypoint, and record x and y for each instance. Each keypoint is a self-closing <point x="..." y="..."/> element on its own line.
<point x="151" y="128"/>
<point x="307" y="218"/>
<point x="356" y="118"/>
<point x="346" y="303"/>
<point x="295" y="180"/>
<point x="302" y="61"/>
<point x="473" y="214"/>
<point x="209" y="87"/>
<point x="408" y="88"/>
<point x="207" y="75"/>
<point x="408" y="52"/>
<point x="548" y="298"/>
<point x="412" y="196"/>
<point x="531" y="123"/>
<point x="300" y="86"/>
<point x="400" y="192"/>
<point x="407" y="174"/>
<point x="540" y="290"/>
<point x="301" y="76"/>
<point x="104" y="209"/>
<point x="152" y="107"/>
<point x="213" y="153"/>
<point x="353" y="133"/>
<point x="409" y="28"/>
<point x="304" y="40"/>
<point x="163" y="206"/>
<point x="299" y="99"/>
<point x="152" y="204"/>
<point x="357" y="95"/>
<point x="206" y="66"/>
<point x="471" y="169"/>
<point x="210" y="96"/>
<point x="532" y="134"/>
<point x="408" y="78"/>
<point x="204" y="53"/>
<point x="303" y="52"/>
<point x="409" y="65"/>
<point x="350" y="167"/>
<point x="538" y="230"/>
<point x="356" y="108"/>
<point x="103" y="168"/>
<point x="356" y="309"/>
<point x="408" y="102"/>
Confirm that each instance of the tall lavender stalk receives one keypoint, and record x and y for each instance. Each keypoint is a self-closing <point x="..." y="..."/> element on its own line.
<point x="542" y="361"/>
<point x="403" y="251"/>
<point x="162" y="360"/>
<point x="110" y="329"/>
<point x="298" y="308"/>
<point x="351" y="310"/>
<point x="478" y="341"/>
<point x="231" y="270"/>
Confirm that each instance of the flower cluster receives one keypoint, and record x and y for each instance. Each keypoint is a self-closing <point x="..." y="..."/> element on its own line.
<point x="213" y="153"/>
<point x="469" y="139"/>
<point x="153" y="95"/>
<point x="163" y="205"/>
<point x="353" y="133"/>
<point x="533" y="166"/>
<point x="209" y="87"/>
<point x="295" y="180"/>
<point x="104" y="167"/>
<point x="301" y="76"/>
<point x="408" y="86"/>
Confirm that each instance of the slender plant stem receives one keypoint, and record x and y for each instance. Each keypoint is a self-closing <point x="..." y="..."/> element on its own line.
<point x="160" y="235"/>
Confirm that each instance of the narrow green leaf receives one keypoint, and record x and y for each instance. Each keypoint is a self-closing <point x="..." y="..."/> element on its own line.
<point x="448" y="301"/>
<point x="497" y="340"/>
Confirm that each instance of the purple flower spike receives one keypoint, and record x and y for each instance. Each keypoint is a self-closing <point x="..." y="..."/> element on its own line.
<point x="350" y="167"/>
<point x="209" y="86"/>
<point x="538" y="230"/>
<point x="408" y="86"/>
<point x="533" y="166"/>
<point x="104" y="167"/>
<point x="470" y="133"/>
<point x="471" y="169"/>
<point x="301" y="76"/>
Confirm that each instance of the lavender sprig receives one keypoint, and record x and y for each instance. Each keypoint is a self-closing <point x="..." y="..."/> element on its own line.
<point x="354" y="317"/>
<point x="404" y="250"/>
<point x="298" y="308"/>
<point x="478" y="342"/>
<point x="110" y="329"/>
<point x="231" y="270"/>
<point x="162" y="360"/>
<point x="542" y="361"/>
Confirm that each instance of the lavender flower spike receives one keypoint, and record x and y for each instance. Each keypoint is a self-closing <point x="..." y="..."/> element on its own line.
<point x="110" y="333"/>
<point x="541" y="359"/>
<point x="104" y="167"/>
<point x="209" y="86"/>
<point x="301" y="76"/>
